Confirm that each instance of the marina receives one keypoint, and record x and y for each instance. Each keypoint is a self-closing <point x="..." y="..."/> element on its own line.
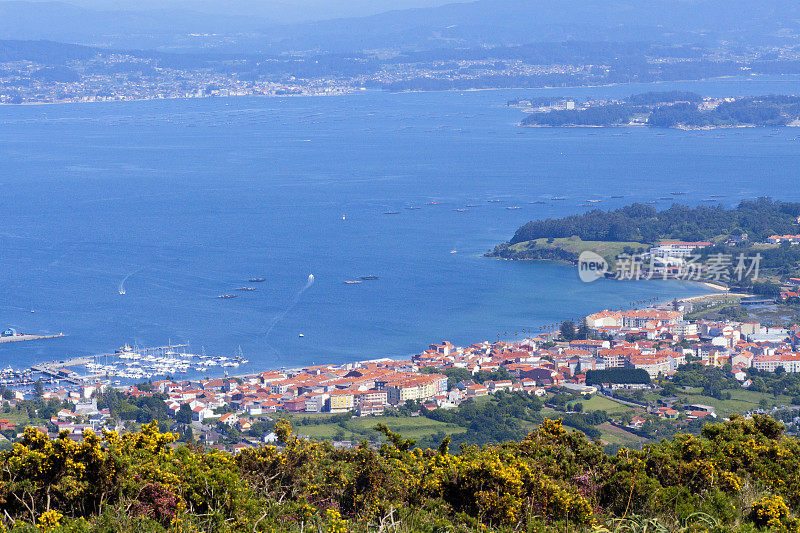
<point x="127" y="362"/>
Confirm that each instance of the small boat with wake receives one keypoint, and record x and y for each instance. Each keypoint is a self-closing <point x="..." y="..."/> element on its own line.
<point x="257" y="280"/>
<point x="227" y="296"/>
<point x="353" y="281"/>
<point x="367" y="278"/>
<point x="245" y="289"/>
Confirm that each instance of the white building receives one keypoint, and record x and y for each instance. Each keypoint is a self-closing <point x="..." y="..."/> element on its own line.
<point x="678" y="249"/>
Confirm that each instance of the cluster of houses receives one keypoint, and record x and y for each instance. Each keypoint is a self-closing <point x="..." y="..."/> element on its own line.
<point x="363" y="388"/>
<point x="85" y="415"/>
<point x="792" y="291"/>
<point x="656" y="340"/>
<point x="780" y="239"/>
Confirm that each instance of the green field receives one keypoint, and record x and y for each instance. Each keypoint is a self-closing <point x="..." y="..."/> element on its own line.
<point x="611" y="434"/>
<point x="741" y="401"/>
<point x="608" y="249"/>
<point x="601" y="403"/>
<point x="414" y="427"/>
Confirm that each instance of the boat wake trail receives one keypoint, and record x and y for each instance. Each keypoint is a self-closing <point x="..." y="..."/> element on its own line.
<point x="291" y="305"/>
<point x="122" y="283"/>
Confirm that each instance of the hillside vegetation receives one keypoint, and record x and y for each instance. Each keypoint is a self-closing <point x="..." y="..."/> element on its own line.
<point x="676" y="110"/>
<point x="758" y="218"/>
<point x="740" y="475"/>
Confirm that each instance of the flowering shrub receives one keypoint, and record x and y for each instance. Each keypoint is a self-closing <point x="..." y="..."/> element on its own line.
<point x="772" y="512"/>
<point x="49" y="520"/>
<point x="552" y="480"/>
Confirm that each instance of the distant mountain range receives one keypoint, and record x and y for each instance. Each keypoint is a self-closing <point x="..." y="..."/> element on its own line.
<point x="493" y="22"/>
<point x="58" y="21"/>
<point x="471" y="24"/>
<point x="275" y="11"/>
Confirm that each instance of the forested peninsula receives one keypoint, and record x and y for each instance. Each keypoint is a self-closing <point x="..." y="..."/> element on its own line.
<point x="747" y="229"/>
<point x="673" y="109"/>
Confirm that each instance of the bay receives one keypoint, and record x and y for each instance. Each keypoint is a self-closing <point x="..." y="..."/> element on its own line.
<point x="186" y="200"/>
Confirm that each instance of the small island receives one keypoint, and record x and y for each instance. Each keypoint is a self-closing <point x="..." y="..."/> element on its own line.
<point x="671" y="109"/>
<point x="762" y="227"/>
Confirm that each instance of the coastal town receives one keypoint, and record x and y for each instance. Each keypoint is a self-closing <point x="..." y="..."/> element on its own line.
<point x="106" y="77"/>
<point x="638" y="349"/>
<point x="40" y="72"/>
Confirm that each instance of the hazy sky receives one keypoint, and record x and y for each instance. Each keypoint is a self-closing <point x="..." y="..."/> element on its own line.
<point x="278" y="10"/>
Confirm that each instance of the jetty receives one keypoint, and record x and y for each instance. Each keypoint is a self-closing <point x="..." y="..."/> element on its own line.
<point x="58" y="369"/>
<point x="26" y="337"/>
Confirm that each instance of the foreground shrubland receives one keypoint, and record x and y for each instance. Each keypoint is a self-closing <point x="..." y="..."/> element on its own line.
<point x="742" y="475"/>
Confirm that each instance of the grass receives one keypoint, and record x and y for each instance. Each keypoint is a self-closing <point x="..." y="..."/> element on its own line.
<point x="608" y="249"/>
<point x="611" y="434"/>
<point x="595" y="403"/>
<point x="20" y="418"/>
<point x="713" y="306"/>
<point x="741" y="401"/>
<point x="414" y="427"/>
<point x="601" y="403"/>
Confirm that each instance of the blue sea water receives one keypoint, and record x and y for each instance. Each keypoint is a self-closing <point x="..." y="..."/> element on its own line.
<point x="189" y="199"/>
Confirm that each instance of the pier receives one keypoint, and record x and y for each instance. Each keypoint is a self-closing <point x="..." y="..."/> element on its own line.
<point x="26" y="337"/>
<point x="55" y="369"/>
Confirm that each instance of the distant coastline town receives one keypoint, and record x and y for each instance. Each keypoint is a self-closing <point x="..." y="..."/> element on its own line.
<point x="37" y="72"/>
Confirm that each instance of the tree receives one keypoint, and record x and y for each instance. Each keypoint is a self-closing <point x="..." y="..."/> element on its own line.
<point x="38" y="389"/>
<point x="259" y="428"/>
<point x="144" y="386"/>
<point x="395" y="438"/>
<point x="583" y="330"/>
<point x="617" y="375"/>
<point x="184" y="414"/>
<point x="568" y="330"/>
